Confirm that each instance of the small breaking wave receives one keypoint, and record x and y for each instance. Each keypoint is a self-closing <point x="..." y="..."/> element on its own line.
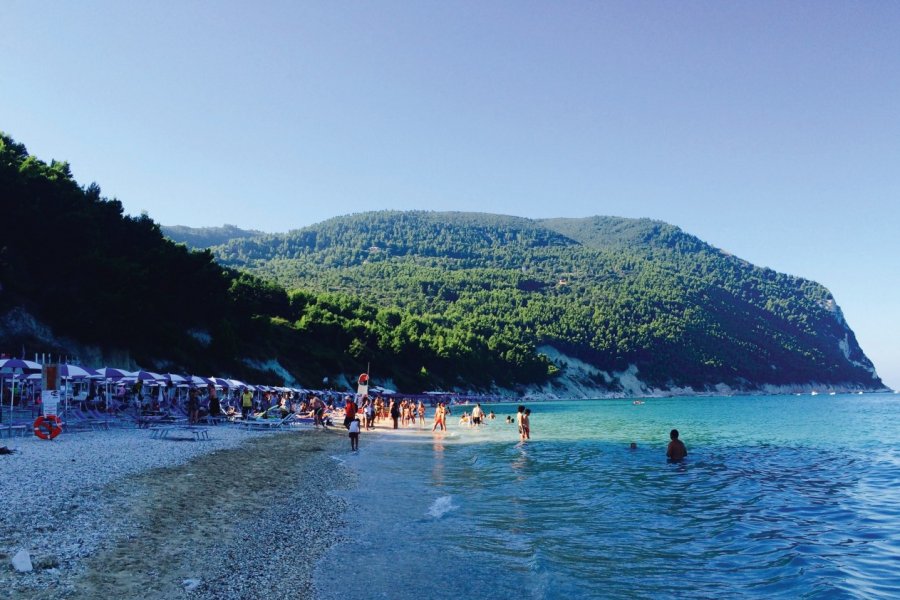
<point x="441" y="506"/>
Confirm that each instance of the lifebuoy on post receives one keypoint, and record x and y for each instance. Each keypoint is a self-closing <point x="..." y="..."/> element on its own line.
<point x="47" y="427"/>
<point x="364" y="379"/>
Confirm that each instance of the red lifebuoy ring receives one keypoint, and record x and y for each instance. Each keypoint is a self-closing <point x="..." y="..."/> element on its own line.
<point x="47" y="427"/>
<point x="364" y="379"/>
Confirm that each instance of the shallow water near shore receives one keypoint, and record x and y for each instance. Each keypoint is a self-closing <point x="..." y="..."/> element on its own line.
<point x="780" y="497"/>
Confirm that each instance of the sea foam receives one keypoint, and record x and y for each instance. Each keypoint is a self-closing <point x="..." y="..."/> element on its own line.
<point x="441" y="506"/>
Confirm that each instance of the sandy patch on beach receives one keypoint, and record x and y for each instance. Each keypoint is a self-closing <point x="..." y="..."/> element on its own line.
<point x="217" y="520"/>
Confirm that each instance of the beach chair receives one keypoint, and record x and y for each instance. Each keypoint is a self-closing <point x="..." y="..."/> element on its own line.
<point x="13" y="429"/>
<point x="78" y="419"/>
<point x="101" y="420"/>
<point x="162" y="432"/>
<point x="213" y="420"/>
<point x="270" y="423"/>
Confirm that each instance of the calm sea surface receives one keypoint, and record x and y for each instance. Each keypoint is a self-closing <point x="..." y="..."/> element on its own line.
<point x="780" y="497"/>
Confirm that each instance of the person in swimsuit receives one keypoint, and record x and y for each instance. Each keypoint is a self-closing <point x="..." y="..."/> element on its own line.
<point x="520" y="414"/>
<point x="439" y="417"/>
<point x="676" y="452"/>
<point x="477" y="415"/>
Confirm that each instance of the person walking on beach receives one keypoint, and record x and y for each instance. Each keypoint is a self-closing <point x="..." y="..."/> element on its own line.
<point x="676" y="452"/>
<point x="246" y="403"/>
<point x="318" y="410"/>
<point x="215" y="406"/>
<point x="193" y="407"/>
<point x="370" y="415"/>
<point x="354" y="434"/>
<point x="349" y="411"/>
<point x="395" y="411"/>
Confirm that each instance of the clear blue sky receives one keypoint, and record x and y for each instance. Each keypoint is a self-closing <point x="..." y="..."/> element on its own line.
<point x="769" y="129"/>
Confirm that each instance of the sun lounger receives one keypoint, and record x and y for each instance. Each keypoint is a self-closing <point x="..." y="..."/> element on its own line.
<point x="162" y="432"/>
<point x="13" y="429"/>
<point x="211" y="420"/>
<point x="270" y="423"/>
<point x="76" y="419"/>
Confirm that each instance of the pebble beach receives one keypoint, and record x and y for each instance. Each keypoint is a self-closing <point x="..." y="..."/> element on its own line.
<point x="119" y="514"/>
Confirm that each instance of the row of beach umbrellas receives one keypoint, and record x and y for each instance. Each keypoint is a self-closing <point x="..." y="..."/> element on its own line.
<point x="25" y="370"/>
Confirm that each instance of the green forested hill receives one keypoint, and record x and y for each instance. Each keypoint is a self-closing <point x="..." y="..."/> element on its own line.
<point x="199" y="238"/>
<point x="612" y="292"/>
<point x="87" y="276"/>
<point x="431" y="300"/>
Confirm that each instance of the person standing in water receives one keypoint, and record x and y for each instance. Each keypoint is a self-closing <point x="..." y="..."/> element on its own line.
<point x="676" y="452"/>
<point x="439" y="416"/>
<point x="477" y="414"/>
<point x="520" y="415"/>
<point x="526" y="424"/>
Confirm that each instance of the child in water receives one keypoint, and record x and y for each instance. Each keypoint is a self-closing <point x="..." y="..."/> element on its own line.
<point x="676" y="450"/>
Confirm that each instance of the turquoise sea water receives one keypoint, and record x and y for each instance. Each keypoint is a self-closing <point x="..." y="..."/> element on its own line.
<point x="780" y="497"/>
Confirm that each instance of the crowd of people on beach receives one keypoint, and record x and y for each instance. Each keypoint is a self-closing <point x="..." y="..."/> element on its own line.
<point x="363" y="413"/>
<point x="357" y="412"/>
<point x="403" y="413"/>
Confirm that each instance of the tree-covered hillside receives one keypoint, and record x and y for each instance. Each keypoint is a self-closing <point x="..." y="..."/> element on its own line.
<point x="199" y="238"/>
<point x="96" y="278"/>
<point x="612" y="292"/>
<point x="431" y="300"/>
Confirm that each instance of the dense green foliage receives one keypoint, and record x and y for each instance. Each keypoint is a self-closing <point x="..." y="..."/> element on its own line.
<point x="73" y="259"/>
<point x="199" y="238"/>
<point x="610" y="291"/>
<point x="429" y="299"/>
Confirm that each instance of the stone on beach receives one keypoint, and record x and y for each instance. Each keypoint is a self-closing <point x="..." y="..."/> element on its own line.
<point x="22" y="561"/>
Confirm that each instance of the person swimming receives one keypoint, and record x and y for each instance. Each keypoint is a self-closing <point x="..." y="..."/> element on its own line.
<point x="677" y="451"/>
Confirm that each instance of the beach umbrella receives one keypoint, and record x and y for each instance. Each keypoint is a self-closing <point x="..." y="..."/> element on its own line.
<point x="12" y="365"/>
<point x="75" y="372"/>
<point x="198" y="381"/>
<point x="147" y="376"/>
<point x="69" y="372"/>
<point x="19" y="364"/>
<point x="175" y="380"/>
<point x="112" y="373"/>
